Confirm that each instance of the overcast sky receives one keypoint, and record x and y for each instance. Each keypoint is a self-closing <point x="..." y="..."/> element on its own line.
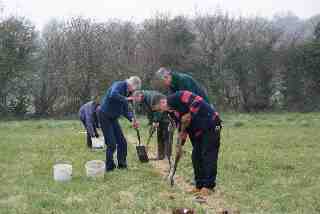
<point x="40" y="11"/>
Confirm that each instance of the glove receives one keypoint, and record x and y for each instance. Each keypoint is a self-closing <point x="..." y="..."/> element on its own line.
<point x="135" y="124"/>
<point x="155" y="124"/>
<point x="182" y="137"/>
<point x="186" y="120"/>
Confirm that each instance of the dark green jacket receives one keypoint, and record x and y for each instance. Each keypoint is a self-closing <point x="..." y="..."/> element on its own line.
<point x="181" y="81"/>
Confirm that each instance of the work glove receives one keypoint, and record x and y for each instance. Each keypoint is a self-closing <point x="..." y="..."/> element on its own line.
<point x="182" y="137"/>
<point x="186" y="120"/>
<point x="179" y="149"/>
<point x="155" y="125"/>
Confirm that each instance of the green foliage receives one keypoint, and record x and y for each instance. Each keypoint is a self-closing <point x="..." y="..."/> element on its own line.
<point x="246" y="64"/>
<point x="317" y="32"/>
<point x="303" y="77"/>
<point x="20" y="105"/>
<point x="17" y="46"/>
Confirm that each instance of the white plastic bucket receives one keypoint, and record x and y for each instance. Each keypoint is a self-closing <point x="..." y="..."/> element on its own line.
<point x="97" y="143"/>
<point x="62" y="172"/>
<point x="95" y="168"/>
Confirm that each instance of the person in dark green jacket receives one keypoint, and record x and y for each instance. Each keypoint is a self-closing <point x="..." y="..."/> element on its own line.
<point x="157" y="120"/>
<point x="177" y="81"/>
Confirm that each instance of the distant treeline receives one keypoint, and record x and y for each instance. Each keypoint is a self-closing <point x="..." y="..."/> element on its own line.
<point x="247" y="64"/>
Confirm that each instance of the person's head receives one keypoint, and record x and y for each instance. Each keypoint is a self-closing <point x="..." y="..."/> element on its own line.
<point x="160" y="103"/>
<point x="134" y="83"/>
<point x="164" y="75"/>
<point x="138" y="95"/>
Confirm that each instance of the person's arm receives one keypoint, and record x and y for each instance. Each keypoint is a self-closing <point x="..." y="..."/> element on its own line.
<point x="129" y="111"/>
<point x="195" y="106"/>
<point x="193" y="103"/>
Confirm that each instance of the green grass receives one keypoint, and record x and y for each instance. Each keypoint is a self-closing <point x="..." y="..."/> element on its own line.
<point x="269" y="163"/>
<point x="28" y="151"/>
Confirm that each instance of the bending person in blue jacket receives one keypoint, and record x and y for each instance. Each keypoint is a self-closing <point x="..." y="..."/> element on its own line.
<point x="114" y="105"/>
<point x="88" y="114"/>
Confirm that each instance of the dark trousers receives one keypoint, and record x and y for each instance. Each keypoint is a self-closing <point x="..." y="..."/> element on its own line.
<point x="115" y="140"/>
<point x="165" y="139"/>
<point x="89" y="141"/>
<point x="205" y="157"/>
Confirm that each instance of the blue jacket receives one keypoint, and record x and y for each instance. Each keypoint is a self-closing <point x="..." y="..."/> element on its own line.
<point x="114" y="103"/>
<point x="88" y="114"/>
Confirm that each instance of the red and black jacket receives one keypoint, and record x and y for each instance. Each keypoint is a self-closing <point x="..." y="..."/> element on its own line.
<point x="203" y="116"/>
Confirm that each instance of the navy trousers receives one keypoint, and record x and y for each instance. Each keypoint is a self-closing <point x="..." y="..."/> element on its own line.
<point x="164" y="141"/>
<point x="205" y="157"/>
<point x="115" y="141"/>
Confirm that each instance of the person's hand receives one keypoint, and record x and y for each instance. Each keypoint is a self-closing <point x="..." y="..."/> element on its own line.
<point x="186" y="119"/>
<point x="134" y="98"/>
<point x="155" y="124"/>
<point x="135" y="124"/>
<point x="130" y="99"/>
<point x="182" y="137"/>
<point x="179" y="149"/>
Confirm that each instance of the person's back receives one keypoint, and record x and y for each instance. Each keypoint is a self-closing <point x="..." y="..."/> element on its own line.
<point x="114" y="103"/>
<point x="177" y="81"/>
<point x="89" y="118"/>
<point x="182" y="81"/>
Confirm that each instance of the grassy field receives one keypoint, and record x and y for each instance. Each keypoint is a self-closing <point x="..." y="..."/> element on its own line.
<point x="269" y="163"/>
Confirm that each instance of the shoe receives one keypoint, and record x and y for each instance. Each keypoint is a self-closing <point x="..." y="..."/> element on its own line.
<point x="110" y="167"/>
<point x="194" y="190"/>
<point x="200" y="199"/>
<point x="205" y="191"/>
<point x="122" y="167"/>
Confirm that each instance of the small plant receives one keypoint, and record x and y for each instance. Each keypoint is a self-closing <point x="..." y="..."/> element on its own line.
<point x="238" y="124"/>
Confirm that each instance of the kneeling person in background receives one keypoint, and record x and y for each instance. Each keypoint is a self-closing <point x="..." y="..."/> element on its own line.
<point x="88" y="114"/>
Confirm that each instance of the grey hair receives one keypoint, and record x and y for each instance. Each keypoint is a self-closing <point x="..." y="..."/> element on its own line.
<point x="163" y="72"/>
<point x="135" y="82"/>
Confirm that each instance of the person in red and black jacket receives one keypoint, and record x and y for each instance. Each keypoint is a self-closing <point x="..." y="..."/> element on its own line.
<point x="203" y="127"/>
